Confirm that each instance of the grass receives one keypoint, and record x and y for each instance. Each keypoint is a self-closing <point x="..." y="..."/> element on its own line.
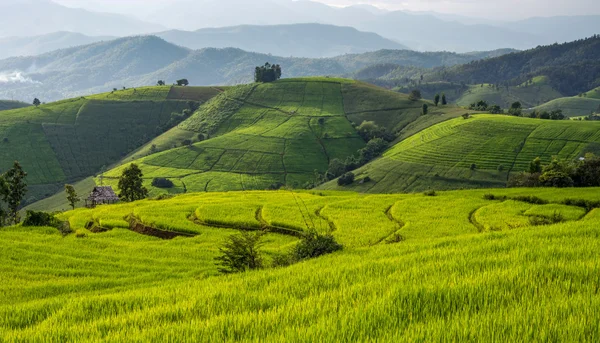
<point x="69" y="140"/>
<point x="530" y="95"/>
<point x="573" y="106"/>
<point x="475" y="153"/>
<point x="446" y="274"/>
<point x="262" y="135"/>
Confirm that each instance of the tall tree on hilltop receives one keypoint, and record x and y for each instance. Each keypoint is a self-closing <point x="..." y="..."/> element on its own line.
<point x="36" y="102"/>
<point x="16" y="188"/>
<point x="267" y="73"/>
<point x="436" y="99"/>
<point x="444" y="101"/>
<point x="131" y="184"/>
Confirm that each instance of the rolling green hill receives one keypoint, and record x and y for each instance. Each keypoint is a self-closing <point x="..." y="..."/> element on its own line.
<point x="572" y="106"/>
<point x="413" y="268"/>
<point x="478" y="152"/>
<point x="10" y="104"/>
<point x="529" y="95"/>
<point x="73" y="139"/>
<point x="274" y="134"/>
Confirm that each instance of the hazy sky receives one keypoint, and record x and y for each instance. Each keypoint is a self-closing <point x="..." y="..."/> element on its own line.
<point x="502" y="9"/>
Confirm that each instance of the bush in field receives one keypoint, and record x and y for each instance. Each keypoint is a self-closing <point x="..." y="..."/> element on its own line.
<point x="314" y="244"/>
<point x="161" y="182"/>
<point x="34" y="218"/>
<point x="240" y="253"/>
<point x="346" y="179"/>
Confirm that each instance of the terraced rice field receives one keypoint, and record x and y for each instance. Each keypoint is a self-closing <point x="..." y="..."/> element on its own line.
<point x="478" y="152"/>
<point x="461" y="262"/>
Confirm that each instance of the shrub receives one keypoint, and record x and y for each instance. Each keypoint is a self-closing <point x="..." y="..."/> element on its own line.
<point x="314" y="244"/>
<point x="240" y="253"/>
<point x="80" y="234"/>
<point x="186" y="142"/>
<point x="473" y="166"/>
<point x="555" y="218"/>
<point x="493" y="197"/>
<point x="395" y="238"/>
<point x="34" y="218"/>
<point x="161" y="182"/>
<point x="430" y="193"/>
<point x="530" y="199"/>
<point x="466" y="116"/>
<point x="5" y="140"/>
<point x="346" y="179"/>
<point x="500" y="167"/>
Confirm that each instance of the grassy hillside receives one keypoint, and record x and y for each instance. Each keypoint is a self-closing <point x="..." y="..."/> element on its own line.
<point x="478" y="152"/>
<point x="72" y="139"/>
<point x="573" y="106"/>
<point x="458" y="266"/>
<point x="266" y="135"/>
<point x="10" y="104"/>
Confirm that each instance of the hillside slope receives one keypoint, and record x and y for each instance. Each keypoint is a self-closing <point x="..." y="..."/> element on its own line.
<point x="267" y="135"/>
<point x="72" y="139"/>
<point x="478" y="152"/>
<point x="571" y="68"/>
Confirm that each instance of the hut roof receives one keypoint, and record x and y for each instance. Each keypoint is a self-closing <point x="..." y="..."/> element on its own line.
<point x="103" y="193"/>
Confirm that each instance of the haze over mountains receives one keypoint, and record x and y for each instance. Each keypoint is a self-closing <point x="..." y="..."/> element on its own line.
<point x="136" y="61"/>
<point x="420" y="31"/>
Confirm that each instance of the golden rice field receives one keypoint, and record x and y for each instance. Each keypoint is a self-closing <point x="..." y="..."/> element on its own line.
<point x="465" y="269"/>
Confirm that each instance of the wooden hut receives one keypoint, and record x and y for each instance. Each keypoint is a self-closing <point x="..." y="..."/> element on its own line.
<point x="101" y="195"/>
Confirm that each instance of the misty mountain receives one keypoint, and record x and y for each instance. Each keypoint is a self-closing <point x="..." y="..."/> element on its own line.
<point x="418" y="31"/>
<point x="558" y="29"/>
<point x="138" y="61"/>
<point x="303" y="40"/>
<point x="37" y="45"/>
<point x="39" y="17"/>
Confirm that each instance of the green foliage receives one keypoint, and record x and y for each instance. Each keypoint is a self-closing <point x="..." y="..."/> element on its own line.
<point x="314" y="244"/>
<point x="479" y="106"/>
<point x="161" y="182"/>
<point x="444" y="101"/>
<point x="346" y="179"/>
<point x="425" y="109"/>
<point x="515" y="109"/>
<point x="183" y="82"/>
<point x="12" y="191"/>
<point x="267" y="73"/>
<point x="436" y="99"/>
<point x="34" y="218"/>
<point x="36" y="102"/>
<point x="414" y="95"/>
<point x="131" y="184"/>
<point x="240" y="253"/>
<point x="72" y="197"/>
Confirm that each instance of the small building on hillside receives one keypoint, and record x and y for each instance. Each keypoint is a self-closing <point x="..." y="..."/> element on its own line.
<point x="101" y="195"/>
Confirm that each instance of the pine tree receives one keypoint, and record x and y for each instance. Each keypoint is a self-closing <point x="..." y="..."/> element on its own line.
<point x="444" y="101"/>
<point x="436" y="99"/>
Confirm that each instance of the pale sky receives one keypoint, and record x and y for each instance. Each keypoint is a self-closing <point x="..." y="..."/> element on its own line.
<point x="500" y="9"/>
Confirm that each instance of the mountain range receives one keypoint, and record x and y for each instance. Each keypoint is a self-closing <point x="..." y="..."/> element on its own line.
<point x="419" y="31"/>
<point x="142" y="60"/>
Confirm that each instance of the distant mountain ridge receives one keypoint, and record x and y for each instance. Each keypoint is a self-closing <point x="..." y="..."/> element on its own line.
<point x="299" y="40"/>
<point x="37" y="45"/>
<point x="142" y="60"/>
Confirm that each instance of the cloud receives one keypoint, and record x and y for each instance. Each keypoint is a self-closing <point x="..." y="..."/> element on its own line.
<point x="16" y="77"/>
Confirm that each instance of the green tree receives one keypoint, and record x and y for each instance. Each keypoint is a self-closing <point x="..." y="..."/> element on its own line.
<point x="414" y="95"/>
<point x="267" y="73"/>
<point x="160" y="83"/>
<point x="16" y="188"/>
<point x="516" y="109"/>
<point x="444" y="101"/>
<point x="36" y="102"/>
<point x="240" y="253"/>
<point x="436" y="99"/>
<point x="183" y="82"/>
<point x="535" y="166"/>
<point x="72" y="197"/>
<point x="425" y="109"/>
<point x="131" y="184"/>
